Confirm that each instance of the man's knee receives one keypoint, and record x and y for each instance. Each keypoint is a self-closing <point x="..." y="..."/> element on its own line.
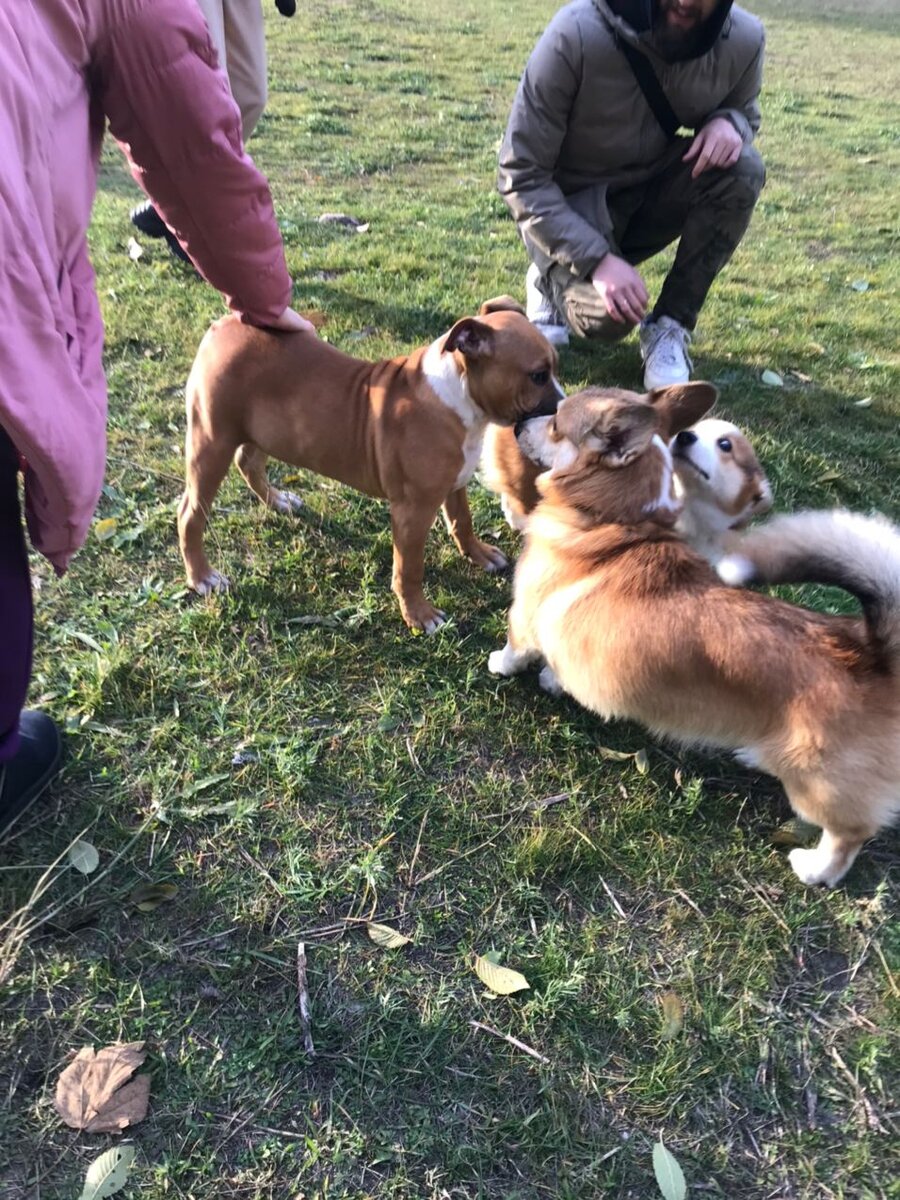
<point x="589" y="321"/>
<point x="748" y="175"/>
<point x="604" y="329"/>
<point x="581" y="307"/>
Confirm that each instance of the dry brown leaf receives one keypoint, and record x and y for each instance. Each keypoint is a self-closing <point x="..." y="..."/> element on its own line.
<point x="386" y="937"/>
<point x="673" y="1015"/>
<point x="501" y="980"/>
<point x="315" y="318"/>
<point x="96" y="1093"/>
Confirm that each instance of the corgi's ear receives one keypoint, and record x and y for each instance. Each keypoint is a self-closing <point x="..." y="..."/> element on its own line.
<point x="501" y="304"/>
<point x="622" y="431"/>
<point x="681" y="405"/>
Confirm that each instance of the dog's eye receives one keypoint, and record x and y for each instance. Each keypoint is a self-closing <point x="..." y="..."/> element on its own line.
<point x="724" y="445"/>
<point x="757" y="499"/>
<point x="540" y="377"/>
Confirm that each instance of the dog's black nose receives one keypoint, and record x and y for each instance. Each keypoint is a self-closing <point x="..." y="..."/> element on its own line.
<point x="547" y="407"/>
<point x="685" y="438"/>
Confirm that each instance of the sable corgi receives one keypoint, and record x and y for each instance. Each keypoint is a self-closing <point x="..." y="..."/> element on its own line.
<point x="717" y="474"/>
<point x="634" y="623"/>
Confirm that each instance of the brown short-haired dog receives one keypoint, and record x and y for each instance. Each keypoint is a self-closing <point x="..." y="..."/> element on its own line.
<point x="633" y="623"/>
<point x="407" y="429"/>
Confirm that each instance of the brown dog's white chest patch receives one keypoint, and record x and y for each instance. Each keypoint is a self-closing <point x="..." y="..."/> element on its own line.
<point x="452" y="389"/>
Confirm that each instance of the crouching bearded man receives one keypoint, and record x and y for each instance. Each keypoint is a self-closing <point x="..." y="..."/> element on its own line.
<point x="599" y="179"/>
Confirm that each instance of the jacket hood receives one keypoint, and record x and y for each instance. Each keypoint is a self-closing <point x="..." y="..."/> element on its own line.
<point x="634" y="21"/>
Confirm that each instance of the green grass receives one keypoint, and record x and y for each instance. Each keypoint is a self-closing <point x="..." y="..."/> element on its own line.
<point x="391" y="775"/>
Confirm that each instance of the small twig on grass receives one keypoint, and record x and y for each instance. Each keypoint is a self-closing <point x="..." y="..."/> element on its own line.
<point x="467" y="853"/>
<point x="612" y="897"/>
<point x="615" y="903"/>
<point x="262" y="870"/>
<point x="871" y="1114"/>
<point x="757" y="892"/>
<point x="415" y="857"/>
<point x="303" y="1006"/>
<point x="887" y="970"/>
<point x="686" y="898"/>
<point x="513" y="1041"/>
<point x="345" y="923"/>
<point x="144" y="469"/>
<point x="11" y="943"/>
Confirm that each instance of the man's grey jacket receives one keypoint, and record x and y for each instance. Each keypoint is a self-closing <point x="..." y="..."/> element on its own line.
<point x="581" y="124"/>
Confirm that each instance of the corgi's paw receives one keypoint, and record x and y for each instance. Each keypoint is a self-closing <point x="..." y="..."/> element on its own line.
<point x="549" y="683"/>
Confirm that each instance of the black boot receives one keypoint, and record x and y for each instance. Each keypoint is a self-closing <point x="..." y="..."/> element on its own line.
<point x="147" y="220"/>
<point x="27" y="773"/>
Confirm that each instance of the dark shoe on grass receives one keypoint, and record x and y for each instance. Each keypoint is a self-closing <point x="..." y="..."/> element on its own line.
<point x="30" y="770"/>
<point x="147" y="221"/>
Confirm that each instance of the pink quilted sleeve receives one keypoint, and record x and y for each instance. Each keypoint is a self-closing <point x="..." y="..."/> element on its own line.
<point x="170" y="109"/>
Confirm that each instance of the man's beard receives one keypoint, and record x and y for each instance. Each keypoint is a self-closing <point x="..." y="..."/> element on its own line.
<point x="672" y="43"/>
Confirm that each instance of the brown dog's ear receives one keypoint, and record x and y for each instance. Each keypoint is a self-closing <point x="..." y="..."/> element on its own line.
<point x="470" y="337"/>
<point x="682" y="405"/>
<point x="500" y="304"/>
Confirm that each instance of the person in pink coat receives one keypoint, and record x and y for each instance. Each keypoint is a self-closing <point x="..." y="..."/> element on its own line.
<point x="67" y="67"/>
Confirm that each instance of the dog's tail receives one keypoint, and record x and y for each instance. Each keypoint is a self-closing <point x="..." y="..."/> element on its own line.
<point x="859" y="554"/>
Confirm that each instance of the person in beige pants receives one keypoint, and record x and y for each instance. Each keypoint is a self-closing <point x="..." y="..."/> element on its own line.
<point x="237" y="33"/>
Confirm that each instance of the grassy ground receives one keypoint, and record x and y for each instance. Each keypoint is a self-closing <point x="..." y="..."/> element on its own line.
<point x="391" y="775"/>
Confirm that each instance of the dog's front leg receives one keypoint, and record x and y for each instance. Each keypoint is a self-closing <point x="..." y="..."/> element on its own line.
<point x="410" y="523"/>
<point x="458" y="519"/>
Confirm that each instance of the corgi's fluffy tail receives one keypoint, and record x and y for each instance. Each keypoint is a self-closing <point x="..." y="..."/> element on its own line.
<point x="859" y="554"/>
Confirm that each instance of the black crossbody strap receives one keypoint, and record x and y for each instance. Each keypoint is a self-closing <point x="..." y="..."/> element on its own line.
<point x="651" y="87"/>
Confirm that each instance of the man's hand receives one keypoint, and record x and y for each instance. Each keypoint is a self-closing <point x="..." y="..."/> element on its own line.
<point x="718" y="144"/>
<point x="622" y="289"/>
<point x="292" y="322"/>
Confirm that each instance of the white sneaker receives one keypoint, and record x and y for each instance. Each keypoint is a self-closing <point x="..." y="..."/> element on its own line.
<point x="541" y="312"/>
<point x="664" y="346"/>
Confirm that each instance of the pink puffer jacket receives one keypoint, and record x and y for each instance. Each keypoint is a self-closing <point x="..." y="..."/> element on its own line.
<point x="146" y="66"/>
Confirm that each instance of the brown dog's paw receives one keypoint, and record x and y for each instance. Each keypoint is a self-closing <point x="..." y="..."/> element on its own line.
<point x="488" y="557"/>
<point x="213" y="582"/>
<point x="289" y="504"/>
<point x="423" y="616"/>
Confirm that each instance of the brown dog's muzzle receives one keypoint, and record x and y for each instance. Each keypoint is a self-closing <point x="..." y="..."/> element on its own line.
<point x="546" y="408"/>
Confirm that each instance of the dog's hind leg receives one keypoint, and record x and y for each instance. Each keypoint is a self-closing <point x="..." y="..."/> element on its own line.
<point x="845" y="828"/>
<point x="458" y="520"/>
<point x="251" y="462"/>
<point x="828" y="862"/>
<point x="206" y="463"/>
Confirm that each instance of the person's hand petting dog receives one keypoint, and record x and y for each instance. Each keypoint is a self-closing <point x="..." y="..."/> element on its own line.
<point x="291" y="322"/>
<point x="718" y="144"/>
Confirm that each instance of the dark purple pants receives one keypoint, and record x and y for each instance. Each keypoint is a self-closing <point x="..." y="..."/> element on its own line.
<point x="16" y="625"/>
